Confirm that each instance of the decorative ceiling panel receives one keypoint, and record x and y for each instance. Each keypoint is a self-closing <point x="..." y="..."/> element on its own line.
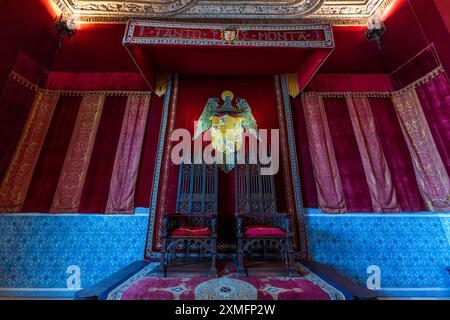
<point x="334" y="11"/>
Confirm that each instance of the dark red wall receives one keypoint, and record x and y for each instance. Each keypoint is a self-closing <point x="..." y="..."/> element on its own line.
<point x="404" y="37"/>
<point x="28" y="26"/>
<point x="353" y="54"/>
<point x="98" y="47"/>
<point x="444" y="9"/>
<point x="95" y="48"/>
<point x="413" y="26"/>
<point x="433" y="25"/>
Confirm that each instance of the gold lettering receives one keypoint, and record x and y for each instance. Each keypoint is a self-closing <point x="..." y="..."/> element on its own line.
<point x="302" y="36"/>
<point x="282" y="36"/>
<point x="168" y="34"/>
<point x="196" y="34"/>
<point x="178" y="34"/>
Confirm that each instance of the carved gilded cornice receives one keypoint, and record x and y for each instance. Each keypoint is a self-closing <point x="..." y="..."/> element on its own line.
<point x="337" y="12"/>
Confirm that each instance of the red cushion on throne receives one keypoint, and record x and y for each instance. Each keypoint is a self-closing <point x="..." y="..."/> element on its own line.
<point x="193" y="231"/>
<point x="263" y="231"/>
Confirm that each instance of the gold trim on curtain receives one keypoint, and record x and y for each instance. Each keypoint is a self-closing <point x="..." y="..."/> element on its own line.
<point x="431" y="175"/>
<point x="126" y="164"/>
<point x="326" y="172"/>
<point x="71" y="181"/>
<point x="14" y="187"/>
<point x="378" y="176"/>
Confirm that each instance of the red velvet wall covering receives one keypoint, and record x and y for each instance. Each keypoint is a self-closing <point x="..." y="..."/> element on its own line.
<point x="414" y="25"/>
<point x="148" y="158"/>
<point x="444" y="9"/>
<point x="404" y="38"/>
<point x="433" y="25"/>
<point x="25" y="26"/>
<point x="96" y="186"/>
<point x="29" y="26"/>
<point x="411" y="28"/>
<point x="353" y="53"/>
<point x="51" y="159"/>
<point x="424" y="62"/>
<point x="309" y="193"/>
<point x="193" y="94"/>
<point x="351" y="171"/>
<point x="14" y="107"/>
<point x="95" y="81"/>
<point x="95" y="48"/>
<point x="397" y="155"/>
<point x="435" y="100"/>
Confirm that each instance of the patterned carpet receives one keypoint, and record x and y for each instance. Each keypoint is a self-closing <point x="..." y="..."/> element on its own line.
<point x="146" y="285"/>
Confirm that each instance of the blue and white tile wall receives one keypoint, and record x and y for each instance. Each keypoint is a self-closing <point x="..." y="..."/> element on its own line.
<point x="37" y="249"/>
<point x="412" y="250"/>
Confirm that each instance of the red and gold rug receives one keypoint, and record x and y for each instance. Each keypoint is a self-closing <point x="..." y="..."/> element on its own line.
<point x="147" y="285"/>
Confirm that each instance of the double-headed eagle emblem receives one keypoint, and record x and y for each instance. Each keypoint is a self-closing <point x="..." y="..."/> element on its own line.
<point x="227" y="124"/>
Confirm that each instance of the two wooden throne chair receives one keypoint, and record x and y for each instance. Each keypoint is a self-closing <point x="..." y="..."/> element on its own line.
<point x="191" y="232"/>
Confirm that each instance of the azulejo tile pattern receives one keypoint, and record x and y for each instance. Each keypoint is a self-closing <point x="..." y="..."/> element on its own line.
<point x="446" y="225"/>
<point x="412" y="250"/>
<point x="36" y="250"/>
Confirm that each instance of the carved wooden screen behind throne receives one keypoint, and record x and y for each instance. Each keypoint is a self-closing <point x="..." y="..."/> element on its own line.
<point x="192" y="228"/>
<point x="197" y="189"/>
<point x="255" y="193"/>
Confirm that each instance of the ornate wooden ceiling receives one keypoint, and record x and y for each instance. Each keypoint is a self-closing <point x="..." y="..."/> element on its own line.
<point x="350" y="12"/>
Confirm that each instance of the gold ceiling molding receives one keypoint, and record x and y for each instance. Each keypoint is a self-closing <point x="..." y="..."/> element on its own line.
<point x="336" y="12"/>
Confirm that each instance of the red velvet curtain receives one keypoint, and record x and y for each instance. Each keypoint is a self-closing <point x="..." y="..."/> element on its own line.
<point x="15" y="104"/>
<point x="96" y="186"/>
<point x="397" y="155"/>
<point x="148" y="156"/>
<point x="434" y="97"/>
<point x="431" y="175"/>
<point x="376" y="170"/>
<point x="356" y="191"/>
<point x="51" y="159"/>
<point x="122" y="189"/>
<point x="309" y="193"/>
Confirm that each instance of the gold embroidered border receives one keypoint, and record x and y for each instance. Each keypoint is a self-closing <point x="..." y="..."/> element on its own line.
<point x="166" y="163"/>
<point x="376" y="169"/>
<point x="286" y="162"/>
<point x="17" y="179"/>
<point x="431" y="174"/>
<point x="71" y="181"/>
<point x="329" y="188"/>
<point x="126" y="163"/>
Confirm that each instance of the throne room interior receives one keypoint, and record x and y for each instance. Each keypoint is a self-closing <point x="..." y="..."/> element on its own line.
<point x="91" y="95"/>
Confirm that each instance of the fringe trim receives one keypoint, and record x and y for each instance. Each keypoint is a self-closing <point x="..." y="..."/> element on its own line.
<point x="28" y="84"/>
<point x="383" y="94"/>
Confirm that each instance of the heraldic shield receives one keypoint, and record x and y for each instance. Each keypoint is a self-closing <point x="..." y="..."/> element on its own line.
<point x="227" y="124"/>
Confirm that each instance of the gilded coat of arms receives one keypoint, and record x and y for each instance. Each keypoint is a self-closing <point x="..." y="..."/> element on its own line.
<point x="227" y="124"/>
<point x="229" y="35"/>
